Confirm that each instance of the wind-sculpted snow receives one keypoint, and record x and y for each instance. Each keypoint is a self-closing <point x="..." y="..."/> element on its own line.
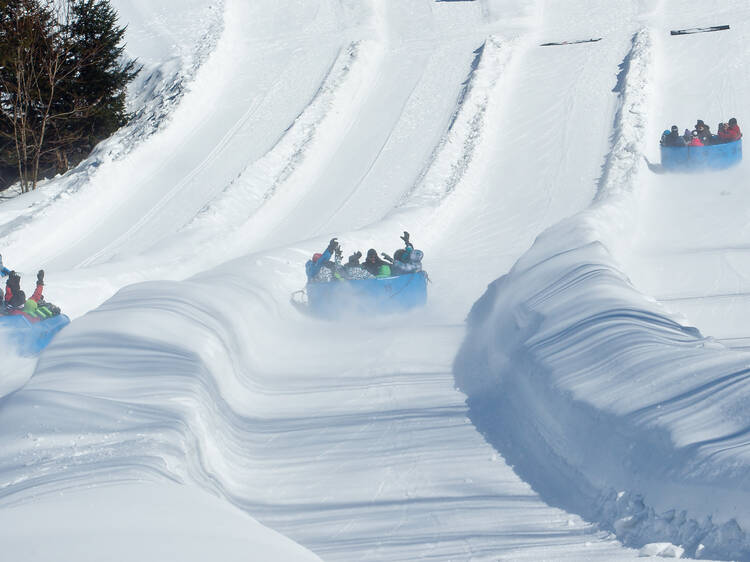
<point x="350" y="451"/>
<point x="600" y="399"/>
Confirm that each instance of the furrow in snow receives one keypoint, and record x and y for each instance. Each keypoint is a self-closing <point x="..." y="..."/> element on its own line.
<point x="453" y="156"/>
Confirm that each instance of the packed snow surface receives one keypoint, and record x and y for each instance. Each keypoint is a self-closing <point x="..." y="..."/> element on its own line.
<point x="577" y="387"/>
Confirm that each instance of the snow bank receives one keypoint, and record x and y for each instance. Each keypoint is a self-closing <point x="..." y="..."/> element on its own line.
<point x="601" y="400"/>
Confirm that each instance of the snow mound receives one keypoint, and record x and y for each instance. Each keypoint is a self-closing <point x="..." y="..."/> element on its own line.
<point x="662" y="549"/>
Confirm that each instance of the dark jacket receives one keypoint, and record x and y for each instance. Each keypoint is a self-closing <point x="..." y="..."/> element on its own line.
<point x="674" y="138"/>
<point x="704" y="133"/>
<point x="14" y="296"/>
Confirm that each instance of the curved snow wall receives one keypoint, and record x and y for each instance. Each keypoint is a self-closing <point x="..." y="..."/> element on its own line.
<point x="691" y="158"/>
<point x="605" y="404"/>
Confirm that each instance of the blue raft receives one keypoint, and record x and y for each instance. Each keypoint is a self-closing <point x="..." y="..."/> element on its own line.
<point x="694" y="158"/>
<point x="32" y="337"/>
<point x="377" y="296"/>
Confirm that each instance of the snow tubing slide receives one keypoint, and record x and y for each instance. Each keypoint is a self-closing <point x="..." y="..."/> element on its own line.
<point x="373" y="296"/>
<point x="692" y="158"/>
<point x="32" y="337"/>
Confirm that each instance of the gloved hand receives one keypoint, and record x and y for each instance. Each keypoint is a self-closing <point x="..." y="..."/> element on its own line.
<point x="332" y="246"/>
<point x="405" y="238"/>
<point x="40" y="277"/>
<point x="386" y="257"/>
<point x="358" y="254"/>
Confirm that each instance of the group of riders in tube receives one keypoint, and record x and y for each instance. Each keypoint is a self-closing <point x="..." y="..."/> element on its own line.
<point x="701" y="134"/>
<point x="15" y="303"/>
<point x="327" y="266"/>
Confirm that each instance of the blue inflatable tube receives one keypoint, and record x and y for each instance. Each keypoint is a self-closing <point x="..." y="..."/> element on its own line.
<point x="372" y="296"/>
<point x="32" y="337"/>
<point x="693" y="158"/>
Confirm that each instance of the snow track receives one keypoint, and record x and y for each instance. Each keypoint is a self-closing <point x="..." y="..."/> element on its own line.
<point x="557" y="397"/>
<point x="359" y="119"/>
<point x="225" y="413"/>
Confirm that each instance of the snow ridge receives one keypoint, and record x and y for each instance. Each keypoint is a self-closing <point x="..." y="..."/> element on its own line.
<point x="454" y="154"/>
<point x="260" y="181"/>
<point x="559" y="350"/>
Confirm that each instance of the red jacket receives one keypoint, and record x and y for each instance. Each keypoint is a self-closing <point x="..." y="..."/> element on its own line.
<point x="733" y="133"/>
<point x="695" y="141"/>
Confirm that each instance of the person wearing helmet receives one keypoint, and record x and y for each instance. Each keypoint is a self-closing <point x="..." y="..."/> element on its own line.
<point x="319" y="268"/>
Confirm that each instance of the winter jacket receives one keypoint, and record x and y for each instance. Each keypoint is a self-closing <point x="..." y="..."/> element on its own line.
<point x="409" y="262"/>
<point x="695" y="141"/>
<point x="373" y="267"/>
<point x="15" y="297"/>
<point x="704" y="134"/>
<point x="312" y="268"/>
<point x="733" y="133"/>
<point x="356" y="271"/>
<point x="673" y="139"/>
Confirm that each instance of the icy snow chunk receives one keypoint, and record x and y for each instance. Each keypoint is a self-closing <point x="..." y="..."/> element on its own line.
<point x="663" y="549"/>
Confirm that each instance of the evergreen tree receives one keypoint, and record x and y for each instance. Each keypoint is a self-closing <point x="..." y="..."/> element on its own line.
<point x="63" y="83"/>
<point x="95" y="92"/>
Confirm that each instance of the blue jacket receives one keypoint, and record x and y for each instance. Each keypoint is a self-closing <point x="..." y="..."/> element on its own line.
<point x="312" y="267"/>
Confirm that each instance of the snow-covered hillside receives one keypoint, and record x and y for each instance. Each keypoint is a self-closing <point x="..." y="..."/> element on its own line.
<point x="589" y="405"/>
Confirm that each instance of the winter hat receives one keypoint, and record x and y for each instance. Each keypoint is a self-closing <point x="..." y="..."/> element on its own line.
<point x="665" y="133"/>
<point x="732" y="121"/>
<point x="316" y="257"/>
<point x="372" y="252"/>
<point x="674" y="128"/>
<point x="700" y="122"/>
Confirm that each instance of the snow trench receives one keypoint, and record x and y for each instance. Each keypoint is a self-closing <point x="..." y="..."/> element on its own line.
<point x="558" y="353"/>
